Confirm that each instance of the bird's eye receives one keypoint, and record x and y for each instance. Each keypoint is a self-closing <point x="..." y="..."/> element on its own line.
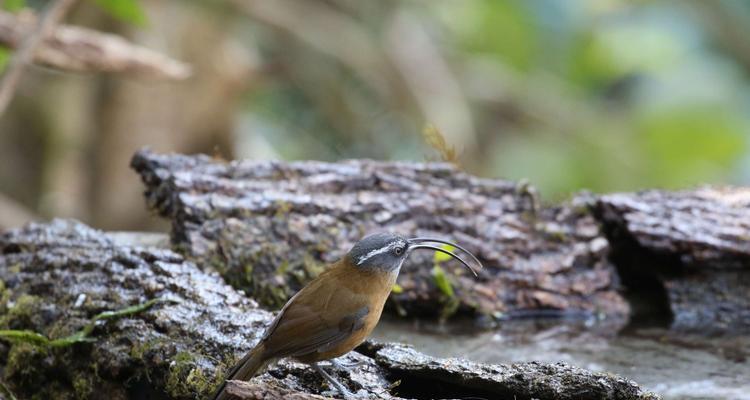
<point x="399" y="250"/>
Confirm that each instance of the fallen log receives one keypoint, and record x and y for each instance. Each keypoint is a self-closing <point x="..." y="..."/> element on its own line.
<point x="269" y="227"/>
<point x="56" y="277"/>
<point x="419" y="376"/>
<point x="695" y="244"/>
<point x="422" y="376"/>
<point x="60" y="279"/>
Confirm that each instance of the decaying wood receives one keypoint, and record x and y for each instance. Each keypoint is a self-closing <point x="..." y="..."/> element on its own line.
<point x="424" y="377"/>
<point x="493" y="381"/>
<point x="72" y="48"/>
<point x="268" y="227"/>
<point x="707" y="227"/>
<point x="696" y="242"/>
<point x="251" y="391"/>
<point x="55" y="277"/>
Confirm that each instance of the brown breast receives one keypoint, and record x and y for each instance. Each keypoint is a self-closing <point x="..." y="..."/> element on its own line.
<point x="341" y="291"/>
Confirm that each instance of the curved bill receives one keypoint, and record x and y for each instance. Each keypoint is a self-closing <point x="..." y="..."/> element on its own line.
<point x="416" y="245"/>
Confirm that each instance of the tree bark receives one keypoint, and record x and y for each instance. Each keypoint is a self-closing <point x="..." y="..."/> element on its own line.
<point x="56" y="277"/>
<point x="269" y="227"/>
<point x="696" y="243"/>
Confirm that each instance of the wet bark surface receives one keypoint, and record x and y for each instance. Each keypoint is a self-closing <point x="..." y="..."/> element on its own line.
<point x="694" y="244"/>
<point x="57" y="277"/>
<point x="422" y="376"/>
<point x="268" y="227"/>
<point x="419" y="376"/>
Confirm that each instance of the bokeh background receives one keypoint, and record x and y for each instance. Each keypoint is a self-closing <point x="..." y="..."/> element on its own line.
<point x="604" y="95"/>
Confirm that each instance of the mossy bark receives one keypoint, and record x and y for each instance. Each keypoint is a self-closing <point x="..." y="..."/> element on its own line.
<point x="58" y="277"/>
<point x="267" y="227"/>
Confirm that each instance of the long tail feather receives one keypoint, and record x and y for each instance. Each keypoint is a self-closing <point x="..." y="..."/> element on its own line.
<point x="249" y="366"/>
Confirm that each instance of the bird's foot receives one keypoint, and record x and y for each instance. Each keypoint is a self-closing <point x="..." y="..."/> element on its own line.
<point x="345" y="366"/>
<point x="335" y="383"/>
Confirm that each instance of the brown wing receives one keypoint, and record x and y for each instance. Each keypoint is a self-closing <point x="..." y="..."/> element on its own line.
<point x="315" y="319"/>
<point x="303" y="331"/>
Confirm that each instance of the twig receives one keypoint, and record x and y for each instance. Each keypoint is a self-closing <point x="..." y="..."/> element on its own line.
<point x="78" y="49"/>
<point x="54" y="13"/>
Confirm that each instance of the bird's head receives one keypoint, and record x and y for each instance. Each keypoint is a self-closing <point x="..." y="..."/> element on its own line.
<point x="386" y="252"/>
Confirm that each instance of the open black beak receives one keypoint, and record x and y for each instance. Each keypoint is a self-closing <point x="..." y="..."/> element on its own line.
<point x="415" y="244"/>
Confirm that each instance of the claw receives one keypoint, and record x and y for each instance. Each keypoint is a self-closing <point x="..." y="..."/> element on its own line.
<point x="335" y="383"/>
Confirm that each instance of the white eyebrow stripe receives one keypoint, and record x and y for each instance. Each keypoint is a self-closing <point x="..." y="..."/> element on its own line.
<point x="375" y="252"/>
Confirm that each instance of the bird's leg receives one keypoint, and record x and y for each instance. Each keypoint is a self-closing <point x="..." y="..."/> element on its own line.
<point x="338" y="385"/>
<point x="345" y="366"/>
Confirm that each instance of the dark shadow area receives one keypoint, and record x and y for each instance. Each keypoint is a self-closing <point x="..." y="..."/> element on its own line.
<point x="145" y="389"/>
<point x="642" y="273"/>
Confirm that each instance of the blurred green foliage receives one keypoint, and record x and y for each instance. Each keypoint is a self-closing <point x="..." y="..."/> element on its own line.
<point x="128" y="11"/>
<point x="442" y="281"/>
<point x="439" y="257"/>
<point x="13" y="5"/>
<point x="603" y="95"/>
<point x="4" y="57"/>
<point x="589" y="94"/>
<point x="125" y="10"/>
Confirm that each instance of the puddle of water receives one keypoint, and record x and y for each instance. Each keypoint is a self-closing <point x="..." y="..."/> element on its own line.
<point x="675" y="365"/>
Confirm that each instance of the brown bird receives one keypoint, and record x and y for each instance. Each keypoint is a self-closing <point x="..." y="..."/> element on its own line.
<point x="335" y="312"/>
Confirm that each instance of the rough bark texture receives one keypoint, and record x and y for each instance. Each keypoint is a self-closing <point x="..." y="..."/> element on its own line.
<point x="57" y="276"/>
<point x="428" y="377"/>
<point x="423" y="377"/>
<point x="251" y="391"/>
<point x="78" y="49"/>
<point x="695" y="243"/>
<point x="268" y="227"/>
